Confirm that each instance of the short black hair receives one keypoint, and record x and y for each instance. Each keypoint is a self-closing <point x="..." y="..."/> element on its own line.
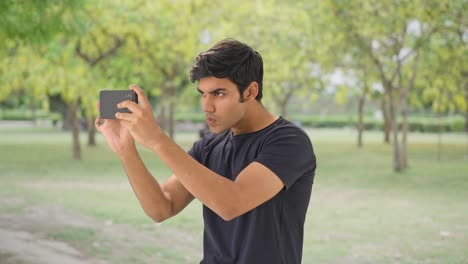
<point x="230" y="59"/>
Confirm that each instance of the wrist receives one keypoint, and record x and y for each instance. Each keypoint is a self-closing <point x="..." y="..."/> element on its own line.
<point x="127" y="153"/>
<point x="159" y="138"/>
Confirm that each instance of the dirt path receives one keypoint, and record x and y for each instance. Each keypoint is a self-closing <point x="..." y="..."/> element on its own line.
<point x="25" y="237"/>
<point x="21" y="246"/>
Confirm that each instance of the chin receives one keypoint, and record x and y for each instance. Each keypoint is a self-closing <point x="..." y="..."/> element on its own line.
<point x="217" y="130"/>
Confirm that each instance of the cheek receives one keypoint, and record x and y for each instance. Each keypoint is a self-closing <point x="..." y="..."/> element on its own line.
<point x="232" y="111"/>
<point x="230" y="105"/>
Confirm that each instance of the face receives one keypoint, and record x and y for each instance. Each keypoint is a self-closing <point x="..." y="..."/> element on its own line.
<point x="221" y="103"/>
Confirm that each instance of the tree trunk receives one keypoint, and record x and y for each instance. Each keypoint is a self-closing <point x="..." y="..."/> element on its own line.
<point x="162" y="109"/>
<point x="283" y="105"/>
<point x="171" y="113"/>
<point x="439" y="124"/>
<point x="91" y="131"/>
<point x="387" y="125"/>
<point x="466" y="115"/>
<point x="283" y="102"/>
<point x="466" y="103"/>
<point x="66" y="123"/>
<point x="360" y="126"/>
<point x="404" y="128"/>
<point x="405" y="89"/>
<point x="396" y="144"/>
<point x="72" y="108"/>
<point x="439" y="138"/>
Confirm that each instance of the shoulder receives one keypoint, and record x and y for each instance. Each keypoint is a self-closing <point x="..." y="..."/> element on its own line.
<point x="283" y="129"/>
<point x="285" y="137"/>
<point x="287" y="151"/>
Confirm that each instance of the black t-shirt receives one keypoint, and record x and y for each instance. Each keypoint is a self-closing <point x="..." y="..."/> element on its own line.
<point x="273" y="232"/>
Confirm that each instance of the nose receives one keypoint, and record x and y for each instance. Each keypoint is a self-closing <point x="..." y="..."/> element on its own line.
<point x="207" y="105"/>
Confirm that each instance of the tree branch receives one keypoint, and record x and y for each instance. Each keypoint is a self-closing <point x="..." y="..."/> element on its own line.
<point x="102" y="55"/>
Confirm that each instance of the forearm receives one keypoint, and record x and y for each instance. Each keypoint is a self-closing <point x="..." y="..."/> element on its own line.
<point x="216" y="192"/>
<point x="147" y="189"/>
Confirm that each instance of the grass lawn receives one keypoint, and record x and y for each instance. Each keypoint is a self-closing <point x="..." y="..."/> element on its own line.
<point x="360" y="211"/>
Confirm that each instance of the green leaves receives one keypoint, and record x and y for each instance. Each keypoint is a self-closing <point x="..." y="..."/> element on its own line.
<point x="37" y="21"/>
<point x="301" y="43"/>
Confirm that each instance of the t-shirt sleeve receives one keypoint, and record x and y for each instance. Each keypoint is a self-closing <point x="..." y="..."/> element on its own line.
<point x="196" y="150"/>
<point x="289" y="154"/>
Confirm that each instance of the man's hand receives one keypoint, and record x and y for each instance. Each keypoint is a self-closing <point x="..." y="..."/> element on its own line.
<point x="118" y="137"/>
<point x="140" y="122"/>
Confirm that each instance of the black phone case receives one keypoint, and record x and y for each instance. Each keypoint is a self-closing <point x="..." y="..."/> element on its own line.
<point x="108" y="100"/>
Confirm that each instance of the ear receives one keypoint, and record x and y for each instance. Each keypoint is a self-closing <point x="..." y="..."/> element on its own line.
<point x="251" y="92"/>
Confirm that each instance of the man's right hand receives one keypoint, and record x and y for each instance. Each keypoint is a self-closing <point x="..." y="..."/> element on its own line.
<point x="118" y="137"/>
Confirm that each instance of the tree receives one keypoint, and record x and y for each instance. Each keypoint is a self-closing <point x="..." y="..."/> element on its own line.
<point x="444" y="73"/>
<point x="69" y="79"/>
<point x="34" y="23"/>
<point x="391" y="36"/>
<point x="20" y="70"/>
<point x="282" y="33"/>
<point x="355" y="70"/>
<point x="167" y="52"/>
<point x="103" y="51"/>
<point x="38" y="21"/>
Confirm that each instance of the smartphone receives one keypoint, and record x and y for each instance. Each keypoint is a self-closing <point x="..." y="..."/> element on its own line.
<point x="108" y="100"/>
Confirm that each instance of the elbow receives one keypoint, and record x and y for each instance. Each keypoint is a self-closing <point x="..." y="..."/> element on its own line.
<point x="228" y="214"/>
<point x="228" y="218"/>
<point x="230" y="208"/>
<point x="158" y="213"/>
<point x="158" y="217"/>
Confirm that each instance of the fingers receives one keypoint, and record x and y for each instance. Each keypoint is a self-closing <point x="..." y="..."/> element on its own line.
<point x="97" y="123"/>
<point x="102" y="124"/>
<point x="141" y="96"/>
<point x="132" y="106"/>
<point x="125" y="116"/>
<point x="98" y="103"/>
<point x="143" y="108"/>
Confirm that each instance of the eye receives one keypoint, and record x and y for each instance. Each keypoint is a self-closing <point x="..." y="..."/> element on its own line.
<point x="218" y="94"/>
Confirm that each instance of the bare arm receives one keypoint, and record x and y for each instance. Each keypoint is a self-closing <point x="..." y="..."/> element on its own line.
<point x="255" y="185"/>
<point x="158" y="202"/>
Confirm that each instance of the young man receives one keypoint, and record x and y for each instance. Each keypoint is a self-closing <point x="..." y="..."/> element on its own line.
<point x="253" y="173"/>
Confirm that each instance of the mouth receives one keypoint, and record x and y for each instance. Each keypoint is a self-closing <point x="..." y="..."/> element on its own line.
<point x="210" y="121"/>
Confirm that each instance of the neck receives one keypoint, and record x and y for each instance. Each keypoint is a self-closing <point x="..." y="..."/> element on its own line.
<point x="255" y="119"/>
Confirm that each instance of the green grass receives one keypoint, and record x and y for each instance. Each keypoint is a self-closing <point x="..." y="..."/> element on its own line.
<point x="75" y="235"/>
<point x="361" y="211"/>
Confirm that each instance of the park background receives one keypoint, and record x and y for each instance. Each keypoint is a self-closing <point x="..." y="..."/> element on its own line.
<point x="381" y="87"/>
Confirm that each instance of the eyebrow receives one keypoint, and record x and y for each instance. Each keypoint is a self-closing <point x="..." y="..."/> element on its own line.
<point x="216" y="90"/>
